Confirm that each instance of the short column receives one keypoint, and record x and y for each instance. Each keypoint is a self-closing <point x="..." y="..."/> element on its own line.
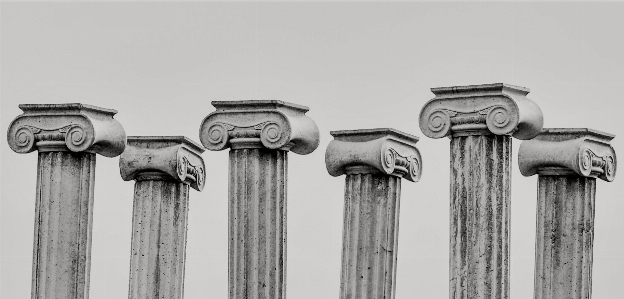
<point x="67" y="137"/>
<point x="567" y="162"/>
<point x="374" y="161"/>
<point x="163" y="167"/>
<point x="260" y="134"/>
<point x="480" y="121"/>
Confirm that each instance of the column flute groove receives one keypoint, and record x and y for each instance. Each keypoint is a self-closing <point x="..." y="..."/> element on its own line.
<point x="67" y="142"/>
<point x="260" y="134"/>
<point x="374" y="161"/>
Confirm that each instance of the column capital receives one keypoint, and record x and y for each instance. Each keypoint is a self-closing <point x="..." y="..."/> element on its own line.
<point x="499" y="109"/>
<point x="157" y="157"/>
<point x="583" y="152"/>
<point x="256" y="124"/>
<point x="61" y="127"/>
<point x="388" y="151"/>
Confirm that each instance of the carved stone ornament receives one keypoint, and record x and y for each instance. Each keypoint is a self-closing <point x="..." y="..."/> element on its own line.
<point x="253" y="124"/>
<point x="387" y="151"/>
<point x="169" y="157"/>
<point x="499" y="109"/>
<point x="584" y="152"/>
<point x="60" y="127"/>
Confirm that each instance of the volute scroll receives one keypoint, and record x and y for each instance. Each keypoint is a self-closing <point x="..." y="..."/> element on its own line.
<point x="73" y="127"/>
<point x="499" y="109"/>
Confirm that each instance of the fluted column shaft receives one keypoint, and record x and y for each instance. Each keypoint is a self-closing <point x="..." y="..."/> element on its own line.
<point x="370" y="236"/>
<point x="479" y="226"/>
<point x="257" y="223"/>
<point x="159" y="224"/>
<point x="564" y="237"/>
<point x="63" y="222"/>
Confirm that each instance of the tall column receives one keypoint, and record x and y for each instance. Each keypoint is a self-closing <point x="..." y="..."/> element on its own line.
<point x="163" y="167"/>
<point x="567" y="162"/>
<point x="374" y="161"/>
<point x="480" y="121"/>
<point x="260" y="134"/>
<point x="67" y="137"/>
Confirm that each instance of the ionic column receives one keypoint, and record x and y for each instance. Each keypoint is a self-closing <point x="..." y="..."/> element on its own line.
<point x="567" y="162"/>
<point x="374" y="161"/>
<point x="67" y="137"/>
<point x="480" y="121"/>
<point x="163" y="167"/>
<point x="260" y="134"/>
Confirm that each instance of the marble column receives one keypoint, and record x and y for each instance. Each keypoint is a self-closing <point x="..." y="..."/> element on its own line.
<point x="480" y="121"/>
<point x="67" y="137"/>
<point x="374" y="161"/>
<point x="163" y="167"/>
<point x="260" y="135"/>
<point x="567" y="162"/>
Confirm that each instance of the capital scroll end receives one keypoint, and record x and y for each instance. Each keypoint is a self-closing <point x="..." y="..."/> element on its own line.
<point x="384" y="150"/>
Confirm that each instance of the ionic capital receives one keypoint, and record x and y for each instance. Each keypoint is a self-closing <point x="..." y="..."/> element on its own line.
<point x="61" y="127"/>
<point x="375" y="150"/>
<point x="156" y="157"/>
<point x="252" y="124"/>
<point x="584" y="152"/>
<point x="499" y="109"/>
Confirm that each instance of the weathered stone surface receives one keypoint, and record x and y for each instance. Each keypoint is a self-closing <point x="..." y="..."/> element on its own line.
<point x="164" y="167"/>
<point x="175" y="156"/>
<point x="260" y="134"/>
<point x="585" y="152"/>
<point x="374" y="161"/>
<point x="77" y="127"/>
<point x="387" y="150"/>
<point x="274" y="124"/>
<point x="565" y="237"/>
<point x="67" y="137"/>
<point x="257" y="223"/>
<point x="370" y="236"/>
<point x="479" y="228"/>
<point x="480" y="119"/>
<point x="63" y="222"/>
<point x="568" y="161"/>
<point x="499" y="109"/>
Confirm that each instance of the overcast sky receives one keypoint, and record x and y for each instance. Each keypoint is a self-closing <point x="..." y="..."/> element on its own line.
<point x="356" y="65"/>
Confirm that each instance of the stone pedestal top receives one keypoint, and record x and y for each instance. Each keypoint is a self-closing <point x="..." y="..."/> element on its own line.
<point x="499" y="109"/>
<point x="254" y="124"/>
<point x="163" y="157"/>
<point x="584" y="152"/>
<point x="385" y="151"/>
<point x="60" y="127"/>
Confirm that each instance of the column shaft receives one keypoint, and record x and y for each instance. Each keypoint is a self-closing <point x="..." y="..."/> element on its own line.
<point x="159" y="223"/>
<point x="479" y="226"/>
<point x="63" y="222"/>
<point x="564" y="238"/>
<point x="370" y="236"/>
<point x="257" y="223"/>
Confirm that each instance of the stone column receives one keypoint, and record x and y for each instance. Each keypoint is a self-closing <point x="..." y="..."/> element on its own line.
<point x="480" y="121"/>
<point x="260" y="134"/>
<point x="163" y="167"/>
<point x="567" y="162"/>
<point x="67" y="137"/>
<point x="374" y="161"/>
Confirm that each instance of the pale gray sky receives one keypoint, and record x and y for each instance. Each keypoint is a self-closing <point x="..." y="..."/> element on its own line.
<point x="356" y="65"/>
